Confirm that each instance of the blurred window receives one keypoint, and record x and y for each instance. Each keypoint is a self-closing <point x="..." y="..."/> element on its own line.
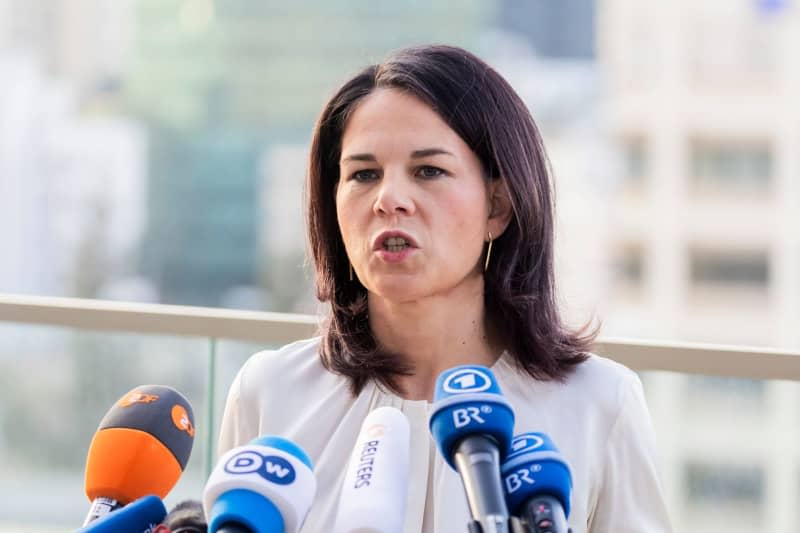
<point x="731" y="165"/>
<point x="729" y="267"/>
<point x="719" y="484"/>
<point x="725" y="392"/>
<point x="629" y="265"/>
<point x="636" y="160"/>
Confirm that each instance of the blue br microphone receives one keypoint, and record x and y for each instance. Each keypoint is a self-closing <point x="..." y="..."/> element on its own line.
<point x="266" y="486"/>
<point x="139" y="516"/>
<point x="472" y="423"/>
<point x="538" y="483"/>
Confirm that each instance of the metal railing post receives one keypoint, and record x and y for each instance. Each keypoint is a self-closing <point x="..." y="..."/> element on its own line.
<point x="210" y="403"/>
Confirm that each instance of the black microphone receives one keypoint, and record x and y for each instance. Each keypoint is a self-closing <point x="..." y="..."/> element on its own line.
<point x="186" y="517"/>
<point x="538" y="483"/>
<point x="473" y="423"/>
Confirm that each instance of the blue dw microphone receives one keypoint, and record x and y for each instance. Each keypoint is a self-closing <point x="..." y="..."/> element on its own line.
<point x="472" y="423"/>
<point x="266" y="486"/>
<point x="538" y="483"/>
<point x="140" y="516"/>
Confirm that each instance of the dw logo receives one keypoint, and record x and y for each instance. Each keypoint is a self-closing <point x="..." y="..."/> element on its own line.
<point x="467" y="380"/>
<point x="271" y="467"/>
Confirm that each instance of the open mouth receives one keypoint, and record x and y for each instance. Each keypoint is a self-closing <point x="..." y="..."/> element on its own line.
<point x="395" y="244"/>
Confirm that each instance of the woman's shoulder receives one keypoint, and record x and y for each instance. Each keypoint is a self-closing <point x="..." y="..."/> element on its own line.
<point x="603" y="381"/>
<point x="284" y="369"/>
<point x="602" y="371"/>
<point x="596" y="387"/>
<point x="274" y="389"/>
<point x="285" y="357"/>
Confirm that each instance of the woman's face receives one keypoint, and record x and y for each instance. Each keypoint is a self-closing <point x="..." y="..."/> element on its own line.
<point x="412" y="201"/>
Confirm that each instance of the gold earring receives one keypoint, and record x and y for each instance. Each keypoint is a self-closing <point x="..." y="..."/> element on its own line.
<point x="351" y="270"/>
<point x="488" y="253"/>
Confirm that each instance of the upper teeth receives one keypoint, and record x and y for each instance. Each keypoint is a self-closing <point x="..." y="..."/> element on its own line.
<point x="395" y="241"/>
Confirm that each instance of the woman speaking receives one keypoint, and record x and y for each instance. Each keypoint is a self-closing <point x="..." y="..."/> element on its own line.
<point x="430" y="219"/>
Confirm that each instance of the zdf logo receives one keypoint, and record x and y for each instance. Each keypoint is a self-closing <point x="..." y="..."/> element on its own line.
<point x="467" y="380"/>
<point x="181" y="419"/>
<point x="273" y="468"/>
<point x="135" y="397"/>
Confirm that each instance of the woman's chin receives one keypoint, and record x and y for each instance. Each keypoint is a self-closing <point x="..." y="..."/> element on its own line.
<point x="396" y="290"/>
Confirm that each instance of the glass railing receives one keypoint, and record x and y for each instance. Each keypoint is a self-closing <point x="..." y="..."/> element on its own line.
<point x="726" y="417"/>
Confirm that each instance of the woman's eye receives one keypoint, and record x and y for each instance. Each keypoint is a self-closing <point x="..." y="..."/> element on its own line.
<point x="430" y="172"/>
<point x="364" y="175"/>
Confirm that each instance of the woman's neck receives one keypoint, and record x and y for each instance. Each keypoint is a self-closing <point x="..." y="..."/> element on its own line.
<point x="434" y="334"/>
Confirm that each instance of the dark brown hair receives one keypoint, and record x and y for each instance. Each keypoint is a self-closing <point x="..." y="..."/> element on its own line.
<point x="483" y="109"/>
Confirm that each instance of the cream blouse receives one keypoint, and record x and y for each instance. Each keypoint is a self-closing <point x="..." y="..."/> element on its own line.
<point x="597" y="418"/>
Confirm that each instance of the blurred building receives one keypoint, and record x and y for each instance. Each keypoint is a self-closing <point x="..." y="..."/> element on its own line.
<point x="84" y="41"/>
<point x="271" y="65"/>
<point x="566" y="97"/>
<point x="705" y="242"/>
<point x="219" y="83"/>
<point x="283" y="231"/>
<point x="71" y="196"/>
<point x="202" y="214"/>
<point x="563" y="29"/>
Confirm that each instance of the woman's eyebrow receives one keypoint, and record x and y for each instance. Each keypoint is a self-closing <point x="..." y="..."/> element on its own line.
<point x="416" y="154"/>
<point x="425" y="152"/>
<point x="358" y="157"/>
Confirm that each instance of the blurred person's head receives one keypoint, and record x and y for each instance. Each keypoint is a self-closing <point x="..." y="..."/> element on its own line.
<point x="437" y="144"/>
<point x="186" y="517"/>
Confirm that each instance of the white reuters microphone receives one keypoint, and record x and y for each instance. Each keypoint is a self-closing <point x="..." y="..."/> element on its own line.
<point x="373" y="498"/>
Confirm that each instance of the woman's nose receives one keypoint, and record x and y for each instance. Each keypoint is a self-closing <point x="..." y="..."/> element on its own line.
<point x="394" y="195"/>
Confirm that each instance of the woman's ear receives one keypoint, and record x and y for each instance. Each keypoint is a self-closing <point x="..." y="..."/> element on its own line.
<point x="500" y="209"/>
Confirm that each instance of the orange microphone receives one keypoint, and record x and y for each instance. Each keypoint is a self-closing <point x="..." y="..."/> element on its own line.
<point x="141" y="448"/>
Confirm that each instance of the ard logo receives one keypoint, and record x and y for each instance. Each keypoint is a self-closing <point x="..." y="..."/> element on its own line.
<point x="467" y="380"/>
<point x="526" y="442"/>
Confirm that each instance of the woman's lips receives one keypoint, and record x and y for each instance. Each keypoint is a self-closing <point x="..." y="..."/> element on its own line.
<point x="394" y="256"/>
<point x="378" y="242"/>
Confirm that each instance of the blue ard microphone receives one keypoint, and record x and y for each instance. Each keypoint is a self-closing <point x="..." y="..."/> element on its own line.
<point x="472" y="423"/>
<point x="140" y="516"/>
<point x="538" y="483"/>
<point x="266" y="486"/>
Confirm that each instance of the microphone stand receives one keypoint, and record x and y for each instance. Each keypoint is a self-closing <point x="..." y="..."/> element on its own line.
<point x="515" y="525"/>
<point x="477" y="461"/>
<point x="544" y="514"/>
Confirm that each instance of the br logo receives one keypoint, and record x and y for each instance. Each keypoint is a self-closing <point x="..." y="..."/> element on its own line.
<point x="181" y="419"/>
<point x="521" y="477"/>
<point x="467" y="415"/>
<point x="467" y="380"/>
<point x="271" y="467"/>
